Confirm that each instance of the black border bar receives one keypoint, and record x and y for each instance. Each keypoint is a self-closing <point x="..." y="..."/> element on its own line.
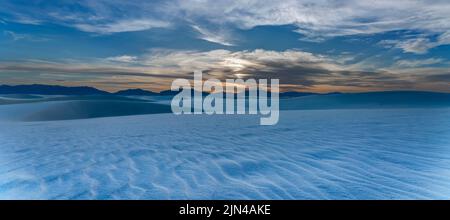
<point x="147" y="209"/>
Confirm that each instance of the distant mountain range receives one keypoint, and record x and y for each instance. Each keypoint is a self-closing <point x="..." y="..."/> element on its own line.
<point x="288" y="100"/>
<point x="38" y="89"/>
<point x="136" y="92"/>
<point x="385" y="99"/>
<point x="303" y="100"/>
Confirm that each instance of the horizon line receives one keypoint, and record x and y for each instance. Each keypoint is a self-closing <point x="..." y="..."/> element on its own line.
<point x="167" y="90"/>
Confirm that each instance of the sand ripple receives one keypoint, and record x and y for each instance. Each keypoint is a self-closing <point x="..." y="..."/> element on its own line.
<point x="320" y="154"/>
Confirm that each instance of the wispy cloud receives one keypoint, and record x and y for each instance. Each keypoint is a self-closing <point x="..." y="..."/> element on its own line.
<point x="418" y="63"/>
<point x="123" y="26"/>
<point x="14" y="35"/>
<point x="218" y="37"/>
<point x="25" y="19"/>
<point x="123" y="59"/>
<point x="79" y="68"/>
<point x="318" y="20"/>
<point x="314" y="19"/>
<point x="17" y="36"/>
<point x="419" y="45"/>
<point x="101" y="17"/>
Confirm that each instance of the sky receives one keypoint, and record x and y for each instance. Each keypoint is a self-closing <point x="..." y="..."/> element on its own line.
<point x="309" y="45"/>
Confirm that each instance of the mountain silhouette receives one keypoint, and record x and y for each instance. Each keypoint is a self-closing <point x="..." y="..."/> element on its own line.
<point x="293" y="100"/>
<point x="136" y="92"/>
<point x="384" y="99"/>
<point x="38" y="89"/>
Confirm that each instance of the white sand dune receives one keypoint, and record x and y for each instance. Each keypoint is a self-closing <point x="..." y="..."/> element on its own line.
<point x="316" y="154"/>
<point x="78" y="109"/>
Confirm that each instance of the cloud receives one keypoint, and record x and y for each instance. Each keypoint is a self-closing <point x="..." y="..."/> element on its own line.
<point x="315" y="19"/>
<point x="97" y="16"/>
<point x="124" y="59"/>
<point x="328" y="17"/>
<point x="229" y="64"/>
<point x="17" y="36"/>
<point x="419" y="45"/>
<point x="294" y="68"/>
<point x="444" y="78"/>
<point x="122" y="26"/>
<point x="80" y="69"/>
<point x="25" y="19"/>
<point x="217" y="37"/>
<point x="14" y="35"/>
<point x="418" y="63"/>
<point x="320" y="20"/>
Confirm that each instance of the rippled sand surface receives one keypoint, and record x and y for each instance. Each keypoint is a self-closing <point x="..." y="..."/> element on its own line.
<point x="314" y="154"/>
